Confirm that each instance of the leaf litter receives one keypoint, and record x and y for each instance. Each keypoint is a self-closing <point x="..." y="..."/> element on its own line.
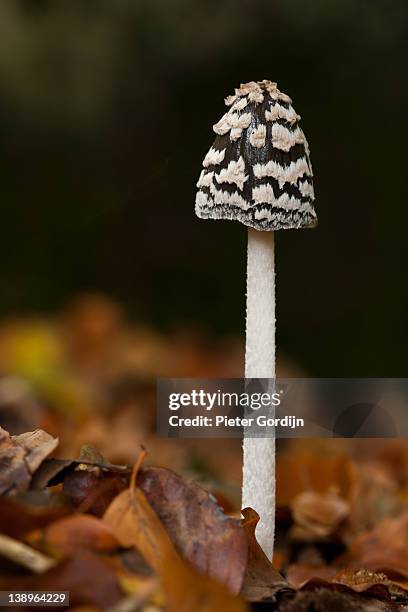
<point x="89" y="381"/>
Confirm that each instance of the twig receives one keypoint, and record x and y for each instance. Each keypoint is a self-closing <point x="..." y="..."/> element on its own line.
<point x="24" y="555"/>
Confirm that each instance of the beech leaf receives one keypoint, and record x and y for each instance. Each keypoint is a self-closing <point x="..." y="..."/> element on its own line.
<point x="319" y="514"/>
<point x="21" y="456"/>
<point x="75" y="533"/>
<point x="135" y="524"/>
<point x="262" y="582"/>
<point x="212" y="542"/>
<point x="89" y="579"/>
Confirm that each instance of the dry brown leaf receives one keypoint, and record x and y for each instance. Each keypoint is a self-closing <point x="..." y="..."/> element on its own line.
<point x="94" y="491"/>
<point x="213" y="543"/>
<point x="55" y="471"/>
<point x="364" y="581"/>
<point x="20" y="516"/>
<point x="382" y="549"/>
<point x="20" y="411"/>
<point x="88" y="578"/>
<point x="346" y="580"/>
<point x="38" y="445"/>
<point x="262" y="582"/>
<point x="21" y="456"/>
<point x="299" y="472"/>
<point x="135" y="524"/>
<point x="73" y="534"/>
<point x="324" y="599"/>
<point x="375" y="496"/>
<point x="319" y="514"/>
<point x="391" y="454"/>
<point x="299" y="575"/>
<point x="92" y="326"/>
<point x="50" y="472"/>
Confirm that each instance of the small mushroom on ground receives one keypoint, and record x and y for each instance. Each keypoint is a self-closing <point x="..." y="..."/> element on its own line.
<point x="258" y="172"/>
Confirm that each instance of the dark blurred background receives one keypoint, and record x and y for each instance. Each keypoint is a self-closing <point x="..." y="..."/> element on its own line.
<point x="106" y="111"/>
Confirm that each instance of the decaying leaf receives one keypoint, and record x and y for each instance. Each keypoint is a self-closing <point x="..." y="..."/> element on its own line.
<point x="326" y="600"/>
<point x="75" y="533"/>
<point x="299" y="472"/>
<point x="262" y="582"/>
<point x="377" y="584"/>
<point x="88" y="578"/>
<point x="213" y="543"/>
<point x="20" y="411"/>
<point x="359" y="581"/>
<point x="19" y="515"/>
<point x="90" y="453"/>
<point x="55" y="471"/>
<point x="382" y="549"/>
<point x="299" y="575"/>
<point x="210" y="541"/>
<point x="91" y="491"/>
<point x="136" y="524"/>
<point x="37" y="445"/>
<point x="319" y="514"/>
<point x="375" y="497"/>
<point x="51" y="472"/>
<point x="20" y="457"/>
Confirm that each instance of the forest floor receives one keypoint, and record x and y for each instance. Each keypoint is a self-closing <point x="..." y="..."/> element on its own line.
<point x="93" y="502"/>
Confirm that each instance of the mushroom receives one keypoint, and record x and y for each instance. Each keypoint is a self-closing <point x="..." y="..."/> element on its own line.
<point x="258" y="172"/>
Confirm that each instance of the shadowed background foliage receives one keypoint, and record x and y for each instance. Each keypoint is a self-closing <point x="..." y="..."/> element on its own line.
<point x="106" y="111"/>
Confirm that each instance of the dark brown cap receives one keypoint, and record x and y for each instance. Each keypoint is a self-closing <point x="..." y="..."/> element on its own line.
<point x="258" y="170"/>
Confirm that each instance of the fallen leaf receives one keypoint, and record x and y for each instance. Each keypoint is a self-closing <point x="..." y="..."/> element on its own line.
<point x="136" y="524"/>
<point x="92" y="328"/>
<point x="38" y="445"/>
<point x="51" y="472"/>
<point x="88" y="578"/>
<point x="346" y="580"/>
<point x="382" y="549"/>
<point x="55" y="471"/>
<point x="319" y="514"/>
<point x="93" y="491"/>
<point x="212" y="542"/>
<point x="20" y="411"/>
<point x="375" y="496"/>
<point x="20" y="457"/>
<point x="390" y="454"/>
<point x="32" y="350"/>
<point x="89" y="453"/>
<point x="328" y="600"/>
<point x="299" y="472"/>
<point x="299" y="575"/>
<point x="74" y="533"/>
<point x="19" y="515"/>
<point x="377" y="584"/>
<point x="262" y="582"/>
<point x="130" y="559"/>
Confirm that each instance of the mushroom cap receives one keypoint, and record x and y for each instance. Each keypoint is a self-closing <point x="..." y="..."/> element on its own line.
<point x="258" y="170"/>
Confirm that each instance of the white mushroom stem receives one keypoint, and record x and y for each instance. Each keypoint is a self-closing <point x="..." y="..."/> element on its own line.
<point x="258" y="489"/>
